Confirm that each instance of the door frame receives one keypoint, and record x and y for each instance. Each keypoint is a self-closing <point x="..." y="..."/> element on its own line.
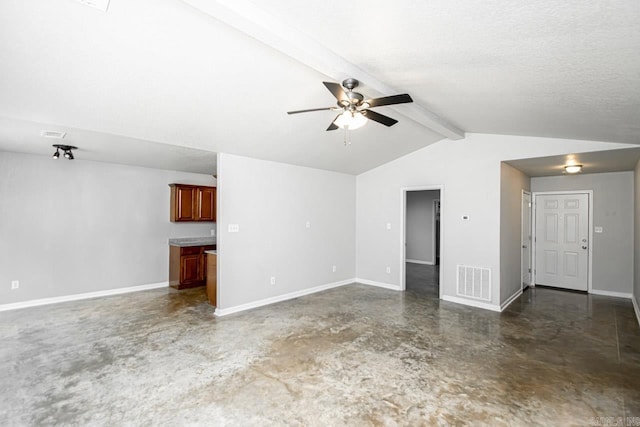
<point x="531" y="245"/>
<point x="434" y="249"/>
<point x="403" y="233"/>
<point x="589" y="193"/>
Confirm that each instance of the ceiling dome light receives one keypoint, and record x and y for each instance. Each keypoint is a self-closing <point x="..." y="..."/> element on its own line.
<point x="573" y="168"/>
<point x="351" y="120"/>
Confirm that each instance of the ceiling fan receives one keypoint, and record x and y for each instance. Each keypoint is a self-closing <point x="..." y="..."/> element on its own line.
<point x="354" y="109"/>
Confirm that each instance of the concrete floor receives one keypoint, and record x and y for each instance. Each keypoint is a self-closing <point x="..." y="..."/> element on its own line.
<point x="423" y="279"/>
<point x="355" y="355"/>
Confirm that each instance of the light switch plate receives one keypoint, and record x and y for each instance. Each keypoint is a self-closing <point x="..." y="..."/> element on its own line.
<point x="598" y="229"/>
<point x="234" y="228"/>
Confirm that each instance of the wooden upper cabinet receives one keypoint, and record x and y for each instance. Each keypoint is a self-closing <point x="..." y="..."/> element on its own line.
<point x="192" y="203"/>
<point x="185" y="200"/>
<point x="206" y="203"/>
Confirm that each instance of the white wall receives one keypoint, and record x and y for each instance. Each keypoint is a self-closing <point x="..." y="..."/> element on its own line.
<point x="512" y="182"/>
<point x="419" y="228"/>
<point x="272" y="202"/>
<point x="470" y="171"/>
<point x="613" y="210"/>
<point x="71" y="227"/>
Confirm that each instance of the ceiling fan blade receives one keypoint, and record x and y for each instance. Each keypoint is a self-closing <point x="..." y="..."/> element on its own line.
<point x="306" y="111"/>
<point x="336" y="90"/>
<point x="389" y="100"/>
<point x="333" y="125"/>
<point x="380" y="118"/>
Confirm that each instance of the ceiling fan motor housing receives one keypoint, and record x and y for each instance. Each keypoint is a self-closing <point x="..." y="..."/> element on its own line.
<point x="350" y="83"/>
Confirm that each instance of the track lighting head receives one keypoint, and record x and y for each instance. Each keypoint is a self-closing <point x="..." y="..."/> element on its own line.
<point x="66" y="149"/>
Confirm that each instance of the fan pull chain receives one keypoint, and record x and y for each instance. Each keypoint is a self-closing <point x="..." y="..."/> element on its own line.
<point x="347" y="140"/>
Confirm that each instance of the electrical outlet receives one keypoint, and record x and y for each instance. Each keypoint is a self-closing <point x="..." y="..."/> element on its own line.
<point x="308" y="224"/>
<point x="388" y="269"/>
<point x="213" y="232"/>
<point x="388" y="226"/>
<point x="15" y="284"/>
<point x="334" y="269"/>
<point x="273" y="280"/>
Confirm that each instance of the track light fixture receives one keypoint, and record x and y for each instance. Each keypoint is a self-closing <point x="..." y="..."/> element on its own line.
<point x="66" y="149"/>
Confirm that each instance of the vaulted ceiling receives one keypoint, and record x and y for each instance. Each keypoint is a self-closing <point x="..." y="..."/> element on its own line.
<point x="219" y="76"/>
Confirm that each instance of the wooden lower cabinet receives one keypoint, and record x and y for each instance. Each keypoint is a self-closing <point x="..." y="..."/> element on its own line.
<point x="212" y="279"/>
<point x="188" y="266"/>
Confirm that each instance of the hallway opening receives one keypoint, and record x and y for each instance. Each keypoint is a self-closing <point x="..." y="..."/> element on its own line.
<point x="422" y="241"/>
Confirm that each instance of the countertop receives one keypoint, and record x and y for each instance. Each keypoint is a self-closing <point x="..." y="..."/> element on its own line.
<point x="192" y="241"/>
<point x="211" y="252"/>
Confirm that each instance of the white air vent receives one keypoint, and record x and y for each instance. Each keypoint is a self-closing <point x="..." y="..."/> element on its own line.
<point x="53" y="134"/>
<point x="103" y="5"/>
<point x="474" y="282"/>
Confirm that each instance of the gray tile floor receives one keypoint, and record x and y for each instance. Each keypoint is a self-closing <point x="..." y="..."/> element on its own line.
<point x="354" y="355"/>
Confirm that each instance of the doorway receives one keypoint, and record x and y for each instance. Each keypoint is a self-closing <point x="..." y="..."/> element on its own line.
<point x="525" y="239"/>
<point x="562" y="240"/>
<point x="422" y="241"/>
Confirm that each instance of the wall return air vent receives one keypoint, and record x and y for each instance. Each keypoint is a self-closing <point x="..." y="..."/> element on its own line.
<point x="474" y="282"/>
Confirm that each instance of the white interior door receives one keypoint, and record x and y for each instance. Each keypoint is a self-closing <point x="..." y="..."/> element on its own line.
<point x="562" y="246"/>
<point x="526" y="240"/>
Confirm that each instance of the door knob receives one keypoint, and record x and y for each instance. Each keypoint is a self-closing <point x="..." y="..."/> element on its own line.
<point x="524" y="246"/>
<point x="584" y="247"/>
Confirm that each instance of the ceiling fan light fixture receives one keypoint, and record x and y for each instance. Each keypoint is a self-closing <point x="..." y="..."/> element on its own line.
<point x="351" y="120"/>
<point x="573" y="168"/>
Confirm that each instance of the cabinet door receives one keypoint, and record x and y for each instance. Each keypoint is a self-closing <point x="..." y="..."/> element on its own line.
<point x="206" y="203"/>
<point x="186" y="203"/>
<point x="203" y="261"/>
<point x="190" y="269"/>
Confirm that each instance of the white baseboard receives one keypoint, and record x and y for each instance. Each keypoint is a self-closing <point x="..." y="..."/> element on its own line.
<point x="279" y="298"/>
<point x="636" y="308"/>
<point x="611" y="293"/>
<point x="417" y="261"/>
<point x="511" y="299"/>
<point x="379" y="284"/>
<point x="472" y="303"/>
<point x="76" y="297"/>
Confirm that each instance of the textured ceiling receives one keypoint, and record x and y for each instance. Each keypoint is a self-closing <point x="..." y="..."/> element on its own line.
<point x="555" y="68"/>
<point x="24" y="137"/>
<point x="618" y="160"/>
<point x="161" y="72"/>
